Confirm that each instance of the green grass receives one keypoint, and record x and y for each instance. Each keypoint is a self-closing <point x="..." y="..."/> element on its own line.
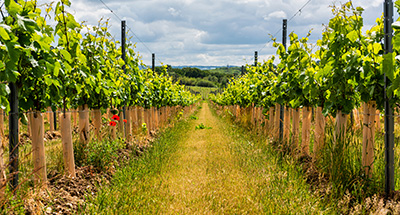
<point x="278" y="182"/>
<point x="134" y="187"/>
<point x="226" y="170"/>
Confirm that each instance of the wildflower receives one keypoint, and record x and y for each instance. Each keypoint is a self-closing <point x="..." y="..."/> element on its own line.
<point x="125" y="120"/>
<point x="113" y="123"/>
<point x="115" y="117"/>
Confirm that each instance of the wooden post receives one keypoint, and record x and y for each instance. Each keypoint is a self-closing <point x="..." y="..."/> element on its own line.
<point x="38" y="150"/>
<point x="271" y="121"/>
<point x="161" y="117"/>
<point x="121" y="126"/>
<point x="378" y="121"/>
<point x="266" y="123"/>
<point x="51" y="118"/>
<point x="260" y="119"/>
<point x="128" y="124"/>
<point x="166" y="117"/>
<point x="146" y="120"/>
<point x="84" y="124"/>
<point x="296" y="129"/>
<point x="369" y="138"/>
<point x="151" y="118"/>
<point x="113" y="129"/>
<point x="306" y="131"/>
<point x="361" y="116"/>
<point x="356" y="115"/>
<point x="341" y="126"/>
<point x="75" y="116"/>
<point x="140" y="116"/>
<point x="152" y="121"/>
<point x="277" y="119"/>
<point x="68" y="148"/>
<point x="252" y="121"/>
<point x="166" y="114"/>
<point x="154" y="118"/>
<point x="319" y="135"/>
<point x="134" y="122"/>
<point x="97" y="123"/>
<point x="157" y="116"/>
<point x="3" y="178"/>
<point x="286" y="125"/>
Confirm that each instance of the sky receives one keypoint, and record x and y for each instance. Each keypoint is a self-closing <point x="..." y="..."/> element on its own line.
<point x="213" y="32"/>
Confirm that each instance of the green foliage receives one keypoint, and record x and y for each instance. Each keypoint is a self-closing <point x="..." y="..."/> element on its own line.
<point x="82" y="68"/>
<point x="343" y="165"/>
<point x="101" y="155"/>
<point x="345" y="70"/>
<point x="204" y="78"/>
<point x="194" y="117"/>
<point x="144" y="128"/>
<point x="202" y="126"/>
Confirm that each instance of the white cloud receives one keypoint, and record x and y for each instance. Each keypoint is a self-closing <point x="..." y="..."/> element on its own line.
<point x="276" y="14"/>
<point x="212" y="32"/>
<point x="174" y="12"/>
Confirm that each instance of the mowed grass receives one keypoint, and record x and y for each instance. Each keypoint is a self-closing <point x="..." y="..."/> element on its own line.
<point x="275" y="181"/>
<point x="135" y="188"/>
<point x="222" y="170"/>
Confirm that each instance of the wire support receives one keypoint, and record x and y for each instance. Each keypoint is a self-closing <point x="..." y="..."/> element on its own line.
<point x="137" y="37"/>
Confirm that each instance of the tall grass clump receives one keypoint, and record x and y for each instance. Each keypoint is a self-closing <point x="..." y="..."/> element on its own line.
<point x="99" y="154"/>
<point x="341" y="161"/>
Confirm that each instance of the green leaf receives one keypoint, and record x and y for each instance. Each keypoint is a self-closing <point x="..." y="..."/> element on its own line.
<point x="66" y="2"/>
<point x="3" y="33"/>
<point x="388" y="66"/>
<point x="12" y="50"/>
<point x="377" y="48"/>
<point x="57" y="67"/>
<point x="352" y="36"/>
<point x="66" y="54"/>
<point x="12" y="7"/>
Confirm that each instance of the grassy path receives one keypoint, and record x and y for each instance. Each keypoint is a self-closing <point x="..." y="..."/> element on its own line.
<point x="221" y="170"/>
<point x="205" y="178"/>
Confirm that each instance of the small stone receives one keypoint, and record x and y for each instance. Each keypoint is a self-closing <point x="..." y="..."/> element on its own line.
<point x="48" y="210"/>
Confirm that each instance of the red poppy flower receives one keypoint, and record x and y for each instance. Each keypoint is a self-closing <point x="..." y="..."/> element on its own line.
<point x="115" y="117"/>
<point x="125" y="120"/>
<point x="112" y="123"/>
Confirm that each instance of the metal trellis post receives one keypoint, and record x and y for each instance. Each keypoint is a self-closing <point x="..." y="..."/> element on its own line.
<point x="389" y="120"/>
<point x="284" y="35"/>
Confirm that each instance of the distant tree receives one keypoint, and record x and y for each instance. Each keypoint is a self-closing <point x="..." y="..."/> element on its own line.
<point x="205" y="83"/>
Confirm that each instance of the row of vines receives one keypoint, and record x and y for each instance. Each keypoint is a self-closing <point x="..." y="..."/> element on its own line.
<point x="341" y="75"/>
<point x="58" y="64"/>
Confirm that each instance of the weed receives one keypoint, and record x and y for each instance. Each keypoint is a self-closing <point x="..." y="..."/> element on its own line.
<point x="99" y="154"/>
<point x="102" y="154"/>
<point x="194" y="117"/>
<point x="202" y="126"/>
<point x="341" y="161"/>
<point x="144" y="128"/>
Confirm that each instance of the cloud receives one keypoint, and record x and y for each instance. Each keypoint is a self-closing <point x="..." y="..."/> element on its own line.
<point x="174" y="12"/>
<point x="276" y="14"/>
<point x="212" y="32"/>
